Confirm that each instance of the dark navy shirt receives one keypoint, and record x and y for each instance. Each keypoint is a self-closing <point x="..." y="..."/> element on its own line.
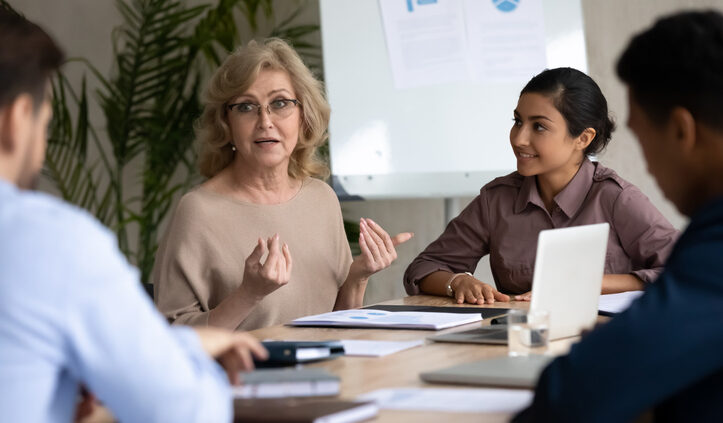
<point x="665" y="353"/>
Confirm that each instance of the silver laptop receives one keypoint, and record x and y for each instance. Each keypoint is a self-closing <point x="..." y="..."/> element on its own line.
<point x="514" y="372"/>
<point x="567" y="281"/>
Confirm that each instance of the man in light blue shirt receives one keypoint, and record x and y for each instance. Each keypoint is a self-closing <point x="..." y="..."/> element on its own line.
<point x="72" y="310"/>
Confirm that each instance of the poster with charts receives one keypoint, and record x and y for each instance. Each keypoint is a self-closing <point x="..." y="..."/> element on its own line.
<point x="432" y="42"/>
<point x="506" y="39"/>
<point x="426" y="41"/>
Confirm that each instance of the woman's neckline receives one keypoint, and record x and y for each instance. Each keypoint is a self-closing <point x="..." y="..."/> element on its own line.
<point x="236" y="200"/>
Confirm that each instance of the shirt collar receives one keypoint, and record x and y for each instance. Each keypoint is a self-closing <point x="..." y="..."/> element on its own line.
<point x="569" y="200"/>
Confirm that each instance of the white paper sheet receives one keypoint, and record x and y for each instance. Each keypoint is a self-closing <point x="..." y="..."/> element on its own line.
<point x="364" y="348"/>
<point x="426" y="41"/>
<point x="371" y="318"/>
<point x="615" y="303"/>
<point x="451" y="400"/>
<point x="506" y="39"/>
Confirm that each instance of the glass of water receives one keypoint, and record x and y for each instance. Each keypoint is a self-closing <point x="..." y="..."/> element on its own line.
<point x="527" y="332"/>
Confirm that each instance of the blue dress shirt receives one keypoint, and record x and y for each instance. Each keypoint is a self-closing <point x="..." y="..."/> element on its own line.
<point x="665" y="353"/>
<point x="72" y="311"/>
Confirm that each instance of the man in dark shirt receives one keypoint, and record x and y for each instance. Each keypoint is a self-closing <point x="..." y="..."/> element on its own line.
<point x="665" y="353"/>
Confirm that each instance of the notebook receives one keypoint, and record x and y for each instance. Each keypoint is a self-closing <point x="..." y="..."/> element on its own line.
<point x="612" y="304"/>
<point x="486" y="312"/>
<point x="302" y="411"/>
<point x="281" y="383"/>
<point x="380" y="319"/>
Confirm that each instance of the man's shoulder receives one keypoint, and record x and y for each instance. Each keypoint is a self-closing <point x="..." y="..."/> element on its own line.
<point x="55" y="250"/>
<point x="49" y="221"/>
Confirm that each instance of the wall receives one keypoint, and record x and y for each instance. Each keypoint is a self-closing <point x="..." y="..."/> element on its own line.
<point x="83" y="28"/>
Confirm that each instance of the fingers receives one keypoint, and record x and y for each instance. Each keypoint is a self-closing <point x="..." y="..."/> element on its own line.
<point x="274" y="251"/>
<point x="470" y="293"/>
<point x="389" y="242"/>
<point x="470" y="290"/>
<point x="473" y="296"/>
<point x="365" y="251"/>
<point x="402" y="238"/>
<point x="261" y="279"/>
<point x="377" y="247"/>
<point x="372" y="241"/>
<point x="287" y="258"/>
<point x="488" y="293"/>
<point x="377" y="230"/>
<point x="230" y="363"/>
<point x="255" y="257"/>
<point x="527" y="296"/>
<point x="275" y="266"/>
<point x="246" y="362"/>
<point x="470" y="297"/>
<point x="239" y="354"/>
<point x="86" y="406"/>
<point x="256" y="348"/>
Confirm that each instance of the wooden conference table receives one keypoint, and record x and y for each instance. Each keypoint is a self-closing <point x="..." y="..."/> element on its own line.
<point x="360" y="375"/>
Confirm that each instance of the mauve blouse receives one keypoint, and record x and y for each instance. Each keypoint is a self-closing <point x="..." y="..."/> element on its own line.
<point x="508" y="214"/>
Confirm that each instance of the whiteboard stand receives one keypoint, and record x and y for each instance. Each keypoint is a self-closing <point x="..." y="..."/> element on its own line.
<point x="451" y="209"/>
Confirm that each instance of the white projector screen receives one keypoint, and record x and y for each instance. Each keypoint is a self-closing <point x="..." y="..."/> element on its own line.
<point x="441" y="140"/>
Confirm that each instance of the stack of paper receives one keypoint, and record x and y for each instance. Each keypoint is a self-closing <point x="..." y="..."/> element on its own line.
<point x="616" y="303"/>
<point x="451" y="400"/>
<point x="364" y="348"/>
<point x="370" y="318"/>
<point x="272" y="383"/>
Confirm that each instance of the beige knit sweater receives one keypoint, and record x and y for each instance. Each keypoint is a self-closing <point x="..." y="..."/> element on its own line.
<point x="201" y="258"/>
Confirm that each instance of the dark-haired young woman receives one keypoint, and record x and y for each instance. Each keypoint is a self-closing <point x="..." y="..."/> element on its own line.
<point x="561" y="118"/>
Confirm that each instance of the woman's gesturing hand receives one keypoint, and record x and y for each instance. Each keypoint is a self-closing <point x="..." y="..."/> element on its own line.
<point x="261" y="279"/>
<point x="377" y="249"/>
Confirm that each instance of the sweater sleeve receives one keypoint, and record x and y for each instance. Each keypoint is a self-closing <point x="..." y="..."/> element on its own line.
<point x="180" y="276"/>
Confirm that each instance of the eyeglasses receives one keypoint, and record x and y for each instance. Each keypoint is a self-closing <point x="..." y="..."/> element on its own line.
<point x="279" y="108"/>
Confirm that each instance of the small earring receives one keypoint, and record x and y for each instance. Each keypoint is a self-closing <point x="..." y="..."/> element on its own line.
<point x="233" y="147"/>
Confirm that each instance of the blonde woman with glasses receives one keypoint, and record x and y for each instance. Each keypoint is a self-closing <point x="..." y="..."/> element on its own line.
<point x="262" y="241"/>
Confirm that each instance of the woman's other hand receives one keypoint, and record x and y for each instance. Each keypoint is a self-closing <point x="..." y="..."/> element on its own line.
<point x="261" y="279"/>
<point x="470" y="289"/>
<point x="527" y="296"/>
<point x="377" y="249"/>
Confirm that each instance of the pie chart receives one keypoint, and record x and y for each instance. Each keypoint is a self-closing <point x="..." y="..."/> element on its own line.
<point x="506" y="5"/>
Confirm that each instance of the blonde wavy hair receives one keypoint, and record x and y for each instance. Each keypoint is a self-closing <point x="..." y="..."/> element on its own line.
<point x="233" y="78"/>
